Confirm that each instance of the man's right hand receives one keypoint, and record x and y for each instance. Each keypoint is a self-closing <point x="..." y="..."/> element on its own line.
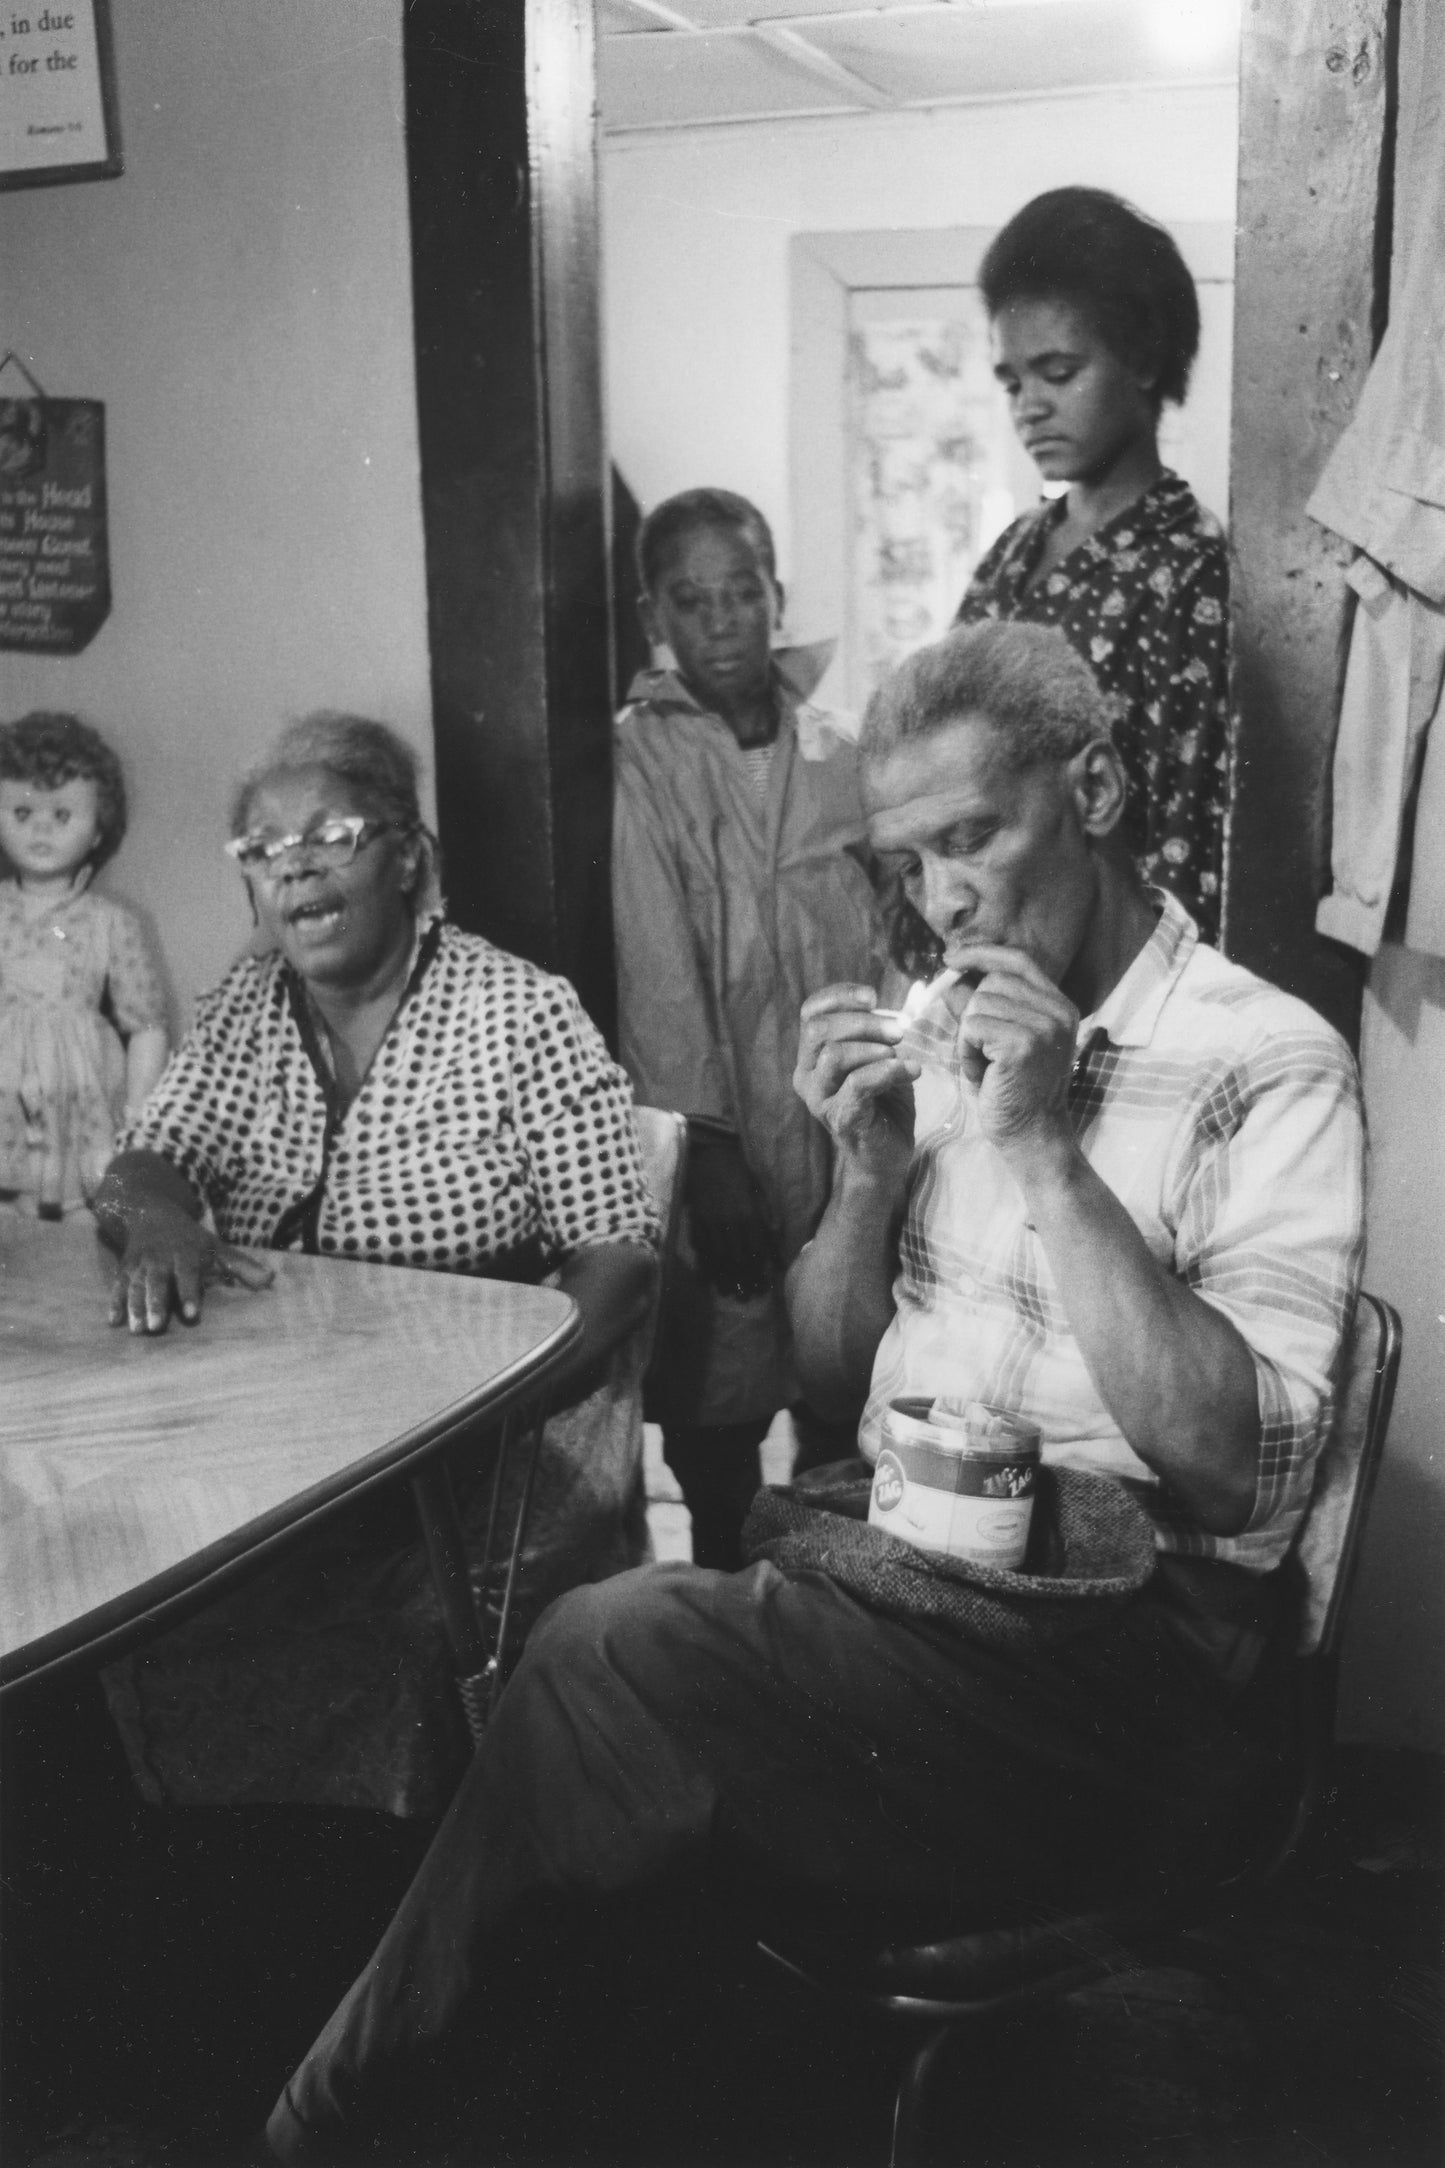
<point x="165" y="1262"/>
<point x="852" y="1078"/>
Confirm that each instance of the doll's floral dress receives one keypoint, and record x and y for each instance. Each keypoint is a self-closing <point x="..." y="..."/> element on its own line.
<point x="65" y="973"/>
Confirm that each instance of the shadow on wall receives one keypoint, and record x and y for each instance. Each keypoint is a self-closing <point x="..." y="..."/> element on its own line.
<point x="1392" y="1684"/>
<point x="1393" y="1687"/>
<point x="630" y="651"/>
<point x="1416" y="983"/>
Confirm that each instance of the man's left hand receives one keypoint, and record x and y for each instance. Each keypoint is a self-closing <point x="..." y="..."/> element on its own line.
<point x="1015" y="1043"/>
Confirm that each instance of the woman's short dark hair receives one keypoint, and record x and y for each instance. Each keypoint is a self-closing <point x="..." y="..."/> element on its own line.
<point x="1121" y="270"/>
<point x="48" y="748"/>
<point x="1026" y="680"/>
<point x="378" y="764"/>
<point x="684" y="514"/>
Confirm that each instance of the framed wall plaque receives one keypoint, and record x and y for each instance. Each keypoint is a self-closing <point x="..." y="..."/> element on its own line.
<point x="54" y="532"/>
<point x="58" y="119"/>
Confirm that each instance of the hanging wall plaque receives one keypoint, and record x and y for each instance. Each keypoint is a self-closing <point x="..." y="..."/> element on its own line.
<point x="57" y="93"/>
<point x="54" y="545"/>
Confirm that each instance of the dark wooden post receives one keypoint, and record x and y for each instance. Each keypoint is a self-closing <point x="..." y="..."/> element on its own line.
<point x="502" y="163"/>
<point x="1309" y="306"/>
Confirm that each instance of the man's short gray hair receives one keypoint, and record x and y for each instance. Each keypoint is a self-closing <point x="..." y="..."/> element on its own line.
<point x="1025" y="680"/>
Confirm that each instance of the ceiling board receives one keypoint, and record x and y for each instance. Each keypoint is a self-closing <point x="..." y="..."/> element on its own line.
<point x="619" y="19"/>
<point x="669" y="81"/>
<point x="736" y="14"/>
<point x="986" y="53"/>
<point x="916" y="53"/>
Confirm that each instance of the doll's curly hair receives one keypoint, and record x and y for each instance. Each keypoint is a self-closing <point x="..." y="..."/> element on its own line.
<point x="48" y="748"/>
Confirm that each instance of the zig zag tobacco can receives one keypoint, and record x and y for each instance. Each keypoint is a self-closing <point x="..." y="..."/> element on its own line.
<point x="959" y="1482"/>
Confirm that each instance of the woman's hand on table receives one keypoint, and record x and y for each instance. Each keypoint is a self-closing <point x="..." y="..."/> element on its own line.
<point x="167" y="1263"/>
<point x="150" y="1219"/>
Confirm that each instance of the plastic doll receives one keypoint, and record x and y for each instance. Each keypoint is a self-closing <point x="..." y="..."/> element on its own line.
<point x="70" y="961"/>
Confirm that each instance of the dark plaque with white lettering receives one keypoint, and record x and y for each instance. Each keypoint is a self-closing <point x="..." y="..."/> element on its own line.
<point x="54" y="547"/>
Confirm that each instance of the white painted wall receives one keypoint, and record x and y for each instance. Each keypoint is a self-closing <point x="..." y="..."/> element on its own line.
<point x="696" y="226"/>
<point x="1393" y="1680"/>
<point x="240" y="299"/>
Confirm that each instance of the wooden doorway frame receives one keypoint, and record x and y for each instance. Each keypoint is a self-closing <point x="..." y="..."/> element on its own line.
<point x="1310" y="295"/>
<point x="502" y="165"/>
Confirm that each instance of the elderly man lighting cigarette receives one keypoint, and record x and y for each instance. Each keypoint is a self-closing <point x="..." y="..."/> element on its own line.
<point x="1103" y="1179"/>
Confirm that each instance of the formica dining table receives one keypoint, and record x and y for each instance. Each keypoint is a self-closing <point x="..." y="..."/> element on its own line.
<point x="140" y="1474"/>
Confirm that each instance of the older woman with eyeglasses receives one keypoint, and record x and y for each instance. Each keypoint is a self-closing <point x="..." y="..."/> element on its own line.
<point x="377" y="1085"/>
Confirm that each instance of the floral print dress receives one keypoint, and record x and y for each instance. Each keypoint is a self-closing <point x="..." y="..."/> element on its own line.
<point x="1145" y="601"/>
<point x="62" y="1062"/>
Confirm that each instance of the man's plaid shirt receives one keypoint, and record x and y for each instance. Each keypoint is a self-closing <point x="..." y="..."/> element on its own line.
<point x="1226" y="1117"/>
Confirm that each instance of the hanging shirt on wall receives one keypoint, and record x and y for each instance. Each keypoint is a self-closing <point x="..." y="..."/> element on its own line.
<point x="1383" y="489"/>
<point x="1145" y="601"/>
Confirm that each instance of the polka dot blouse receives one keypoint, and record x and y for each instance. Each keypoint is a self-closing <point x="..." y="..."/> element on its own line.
<point x="492" y="1133"/>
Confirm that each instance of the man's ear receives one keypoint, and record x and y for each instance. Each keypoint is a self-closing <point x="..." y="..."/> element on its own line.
<point x="782" y="604"/>
<point x="1100" y="787"/>
<point x="648" y="615"/>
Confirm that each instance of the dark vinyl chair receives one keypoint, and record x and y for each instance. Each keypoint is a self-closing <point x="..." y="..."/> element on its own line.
<point x="948" y="1983"/>
<point x="479" y="1655"/>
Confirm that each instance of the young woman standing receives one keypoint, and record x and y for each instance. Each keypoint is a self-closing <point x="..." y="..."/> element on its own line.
<point x="1095" y="325"/>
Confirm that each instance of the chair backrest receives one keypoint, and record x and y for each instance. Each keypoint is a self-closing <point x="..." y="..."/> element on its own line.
<point x="1328" y="1543"/>
<point x="663" y="1136"/>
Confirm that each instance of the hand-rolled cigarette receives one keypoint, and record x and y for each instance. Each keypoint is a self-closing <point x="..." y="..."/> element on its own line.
<point x="927" y="993"/>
